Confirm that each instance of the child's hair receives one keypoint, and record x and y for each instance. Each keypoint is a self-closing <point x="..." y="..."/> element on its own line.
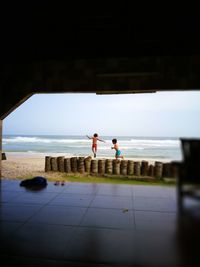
<point x="95" y="135"/>
<point x="114" y="141"/>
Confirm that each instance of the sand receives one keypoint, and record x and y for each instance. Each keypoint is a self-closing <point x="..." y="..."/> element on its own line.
<point x="23" y="165"/>
<point x="16" y="166"/>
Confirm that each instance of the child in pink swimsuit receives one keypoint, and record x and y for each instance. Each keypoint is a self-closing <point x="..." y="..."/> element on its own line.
<point x="95" y="138"/>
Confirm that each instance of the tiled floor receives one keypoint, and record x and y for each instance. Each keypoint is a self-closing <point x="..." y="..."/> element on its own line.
<point x="83" y="224"/>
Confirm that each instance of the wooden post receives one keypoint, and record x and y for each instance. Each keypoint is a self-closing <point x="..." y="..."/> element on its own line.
<point x="94" y="166"/>
<point x="158" y="170"/>
<point x="54" y="164"/>
<point x="47" y="163"/>
<point x="137" y="168"/>
<point x="67" y="164"/>
<point x="151" y="170"/>
<point x="61" y="167"/>
<point x="74" y="164"/>
<point x="101" y="166"/>
<point x="130" y="168"/>
<point x="81" y="165"/>
<point x="144" y="168"/>
<point x="88" y="164"/>
<point x="123" y="167"/>
<point x="116" y="166"/>
<point x="109" y="166"/>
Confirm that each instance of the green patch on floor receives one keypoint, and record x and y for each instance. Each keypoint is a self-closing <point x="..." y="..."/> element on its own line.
<point x="108" y="179"/>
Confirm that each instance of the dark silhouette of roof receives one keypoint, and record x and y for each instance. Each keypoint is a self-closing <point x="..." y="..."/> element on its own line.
<point x="44" y="30"/>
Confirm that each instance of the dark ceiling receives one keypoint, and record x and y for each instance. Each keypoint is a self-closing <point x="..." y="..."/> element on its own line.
<point x="44" y="30"/>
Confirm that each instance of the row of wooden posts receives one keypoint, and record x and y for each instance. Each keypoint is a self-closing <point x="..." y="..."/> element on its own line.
<point x="108" y="166"/>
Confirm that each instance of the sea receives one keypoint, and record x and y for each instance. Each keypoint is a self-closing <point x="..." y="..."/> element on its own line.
<point x="147" y="148"/>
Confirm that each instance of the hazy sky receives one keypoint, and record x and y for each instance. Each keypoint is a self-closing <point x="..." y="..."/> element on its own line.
<point x="154" y="114"/>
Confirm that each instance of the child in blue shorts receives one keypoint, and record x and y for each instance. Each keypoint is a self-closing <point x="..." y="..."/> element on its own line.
<point x="116" y="147"/>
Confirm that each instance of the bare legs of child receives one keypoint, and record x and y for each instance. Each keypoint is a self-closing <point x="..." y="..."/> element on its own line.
<point x="94" y="150"/>
<point x="119" y="157"/>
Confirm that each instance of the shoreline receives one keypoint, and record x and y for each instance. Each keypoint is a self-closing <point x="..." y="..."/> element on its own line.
<point x="21" y="164"/>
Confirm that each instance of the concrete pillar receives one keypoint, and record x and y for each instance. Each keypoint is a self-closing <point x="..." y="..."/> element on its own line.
<point x="109" y="166"/>
<point x="101" y="166"/>
<point x="167" y="170"/>
<point x="1" y="125"/>
<point x="137" y="167"/>
<point x="130" y="168"/>
<point x="81" y="165"/>
<point x="60" y="162"/>
<point x="74" y="164"/>
<point x="94" y="166"/>
<point x="88" y="164"/>
<point x="144" y="168"/>
<point x="54" y="164"/>
<point x="158" y="170"/>
<point x="47" y="163"/>
<point x="123" y="167"/>
<point x="151" y="170"/>
<point x="116" y="166"/>
<point x="67" y="164"/>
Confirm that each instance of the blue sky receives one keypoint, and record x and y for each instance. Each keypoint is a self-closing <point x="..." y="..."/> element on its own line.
<point x="155" y="114"/>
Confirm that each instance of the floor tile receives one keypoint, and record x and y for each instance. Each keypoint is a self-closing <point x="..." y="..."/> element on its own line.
<point x="18" y="212"/>
<point x="150" y="191"/>
<point x="51" y="187"/>
<point x="108" y="218"/>
<point x="155" y="248"/>
<point x="115" y="190"/>
<point x="83" y="188"/>
<point x="154" y="204"/>
<point x="102" y="245"/>
<point x="116" y="202"/>
<point x="39" y="240"/>
<point x="80" y="200"/>
<point x="34" y="197"/>
<point x="8" y="195"/>
<point x="151" y="220"/>
<point x="8" y="228"/>
<point x="59" y="215"/>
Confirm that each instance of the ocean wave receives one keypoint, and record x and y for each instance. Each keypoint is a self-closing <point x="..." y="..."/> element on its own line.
<point x="155" y="143"/>
<point x="20" y="139"/>
<point x="137" y="144"/>
<point x="121" y="148"/>
<point x="81" y="145"/>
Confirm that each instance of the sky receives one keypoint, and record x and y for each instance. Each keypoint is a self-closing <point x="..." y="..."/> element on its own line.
<point x="161" y="114"/>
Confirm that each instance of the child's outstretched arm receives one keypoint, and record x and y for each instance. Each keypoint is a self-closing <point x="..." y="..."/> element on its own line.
<point x="89" y="137"/>
<point x="101" y="140"/>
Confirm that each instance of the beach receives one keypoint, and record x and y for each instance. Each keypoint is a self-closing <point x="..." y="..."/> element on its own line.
<point x="18" y="166"/>
<point x="26" y="153"/>
<point x="24" y="165"/>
